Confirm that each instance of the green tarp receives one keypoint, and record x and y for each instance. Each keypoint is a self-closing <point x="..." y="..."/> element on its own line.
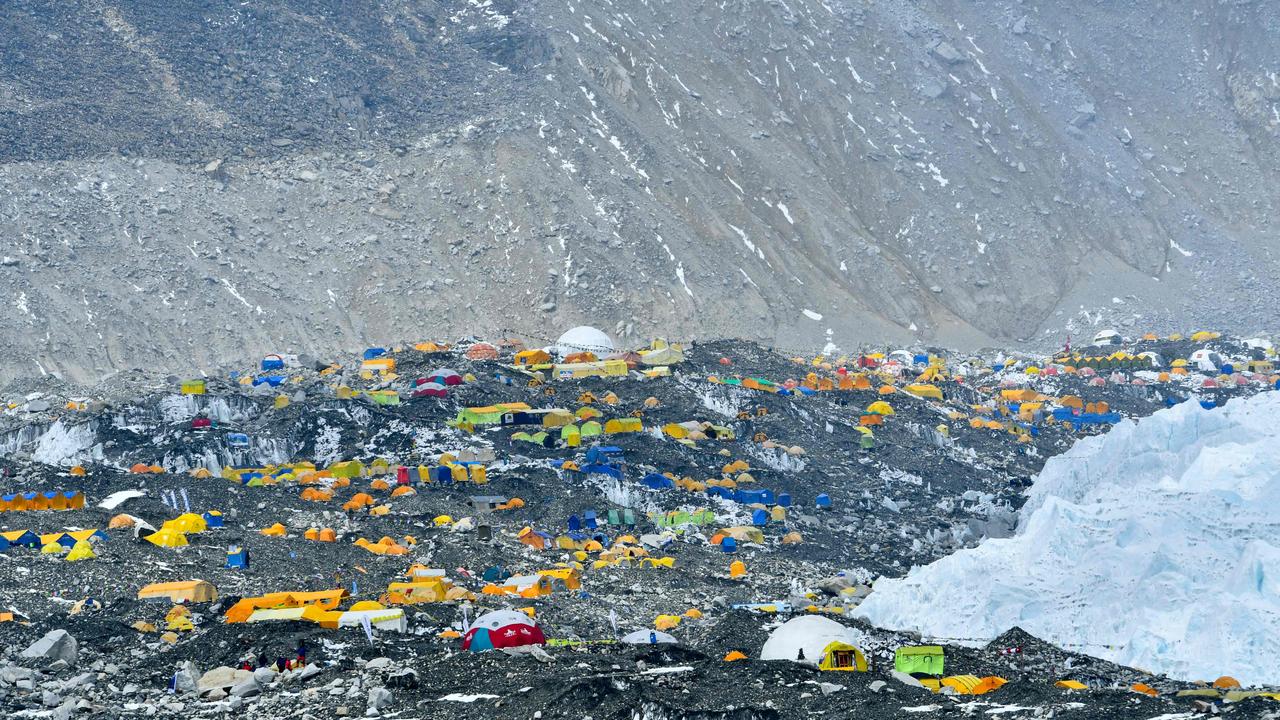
<point x="921" y="659"/>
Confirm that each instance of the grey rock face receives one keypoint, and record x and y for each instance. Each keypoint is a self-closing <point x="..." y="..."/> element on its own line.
<point x="692" y="173"/>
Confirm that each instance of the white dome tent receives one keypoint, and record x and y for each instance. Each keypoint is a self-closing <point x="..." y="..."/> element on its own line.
<point x="649" y="637"/>
<point x="584" y="339"/>
<point x="816" y="640"/>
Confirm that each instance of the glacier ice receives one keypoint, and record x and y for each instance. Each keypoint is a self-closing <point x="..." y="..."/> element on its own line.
<point x="1156" y="545"/>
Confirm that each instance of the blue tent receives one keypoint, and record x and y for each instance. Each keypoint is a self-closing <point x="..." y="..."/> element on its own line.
<point x="717" y="491"/>
<point x="374" y="352"/>
<point x="495" y="574"/>
<point x="920" y="359"/>
<point x="784" y="499"/>
<point x="601" y="469"/>
<point x="604" y="454"/>
<point x="4" y="543"/>
<point x="760" y="517"/>
<point x="574" y="523"/>
<point x="441" y="474"/>
<point x="272" y="362"/>
<point x="729" y="545"/>
<point x="806" y="391"/>
<point x="213" y="521"/>
<point x="748" y="497"/>
<point x="237" y="558"/>
<point x="589" y="519"/>
<point x="823" y="501"/>
<point x="237" y="440"/>
<point x="271" y="380"/>
<point x="26" y="539"/>
<point x="654" y="481"/>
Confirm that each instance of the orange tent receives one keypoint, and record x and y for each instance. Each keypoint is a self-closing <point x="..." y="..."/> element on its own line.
<point x="403" y="490"/>
<point x="120" y="521"/>
<point x="140" y="468"/>
<point x="316" y="495"/>
<point x="1144" y="689"/>
<point x="276" y="530"/>
<point x="482" y="351"/>
<point x="357" y="501"/>
<point x="987" y="684"/>
<point x="379" y="484"/>
<point x="78" y="471"/>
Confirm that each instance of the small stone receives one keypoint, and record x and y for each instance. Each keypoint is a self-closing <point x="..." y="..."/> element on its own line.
<point x="380" y="663"/>
<point x="379" y="698"/>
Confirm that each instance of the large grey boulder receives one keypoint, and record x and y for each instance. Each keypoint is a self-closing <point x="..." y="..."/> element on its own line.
<point x="221" y="678"/>
<point x="55" y="645"/>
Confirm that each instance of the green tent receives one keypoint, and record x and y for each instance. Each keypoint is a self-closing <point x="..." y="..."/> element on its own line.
<point x="919" y="660"/>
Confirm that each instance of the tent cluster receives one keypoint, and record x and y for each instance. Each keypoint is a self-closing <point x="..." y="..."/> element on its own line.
<point x="71" y="545"/>
<point x="38" y="501"/>
<point x="321" y="608"/>
<point x="424" y="585"/>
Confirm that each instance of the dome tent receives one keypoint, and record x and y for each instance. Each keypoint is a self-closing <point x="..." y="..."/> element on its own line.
<point x="584" y="339"/>
<point x="649" y="637"/>
<point x="815" y="640"/>
<point x="502" y="629"/>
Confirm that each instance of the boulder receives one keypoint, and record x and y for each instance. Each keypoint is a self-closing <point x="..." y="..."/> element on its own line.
<point x="221" y="678"/>
<point x="379" y="698"/>
<point x="55" y="645"/>
<point x="247" y="687"/>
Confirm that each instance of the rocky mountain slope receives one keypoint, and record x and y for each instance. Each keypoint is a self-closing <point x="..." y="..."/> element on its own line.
<point x="182" y="185"/>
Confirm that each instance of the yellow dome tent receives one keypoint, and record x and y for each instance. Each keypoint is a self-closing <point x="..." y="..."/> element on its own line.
<point x="82" y="550"/>
<point x="168" y="538"/>
<point x="880" y="407"/>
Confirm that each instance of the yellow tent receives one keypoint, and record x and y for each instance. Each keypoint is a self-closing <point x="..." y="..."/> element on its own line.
<point x="1071" y="685"/>
<point x="276" y="530"/>
<point x="842" y="656"/>
<point x="622" y="425"/>
<point x="967" y="684"/>
<point x="186" y="523"/>
<point x="168" y="538"/>
<point x="196" y="591"/>
<point x="880" y="407"/>
<point x="82" y="550"/>
<point x="924" y="391"/>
